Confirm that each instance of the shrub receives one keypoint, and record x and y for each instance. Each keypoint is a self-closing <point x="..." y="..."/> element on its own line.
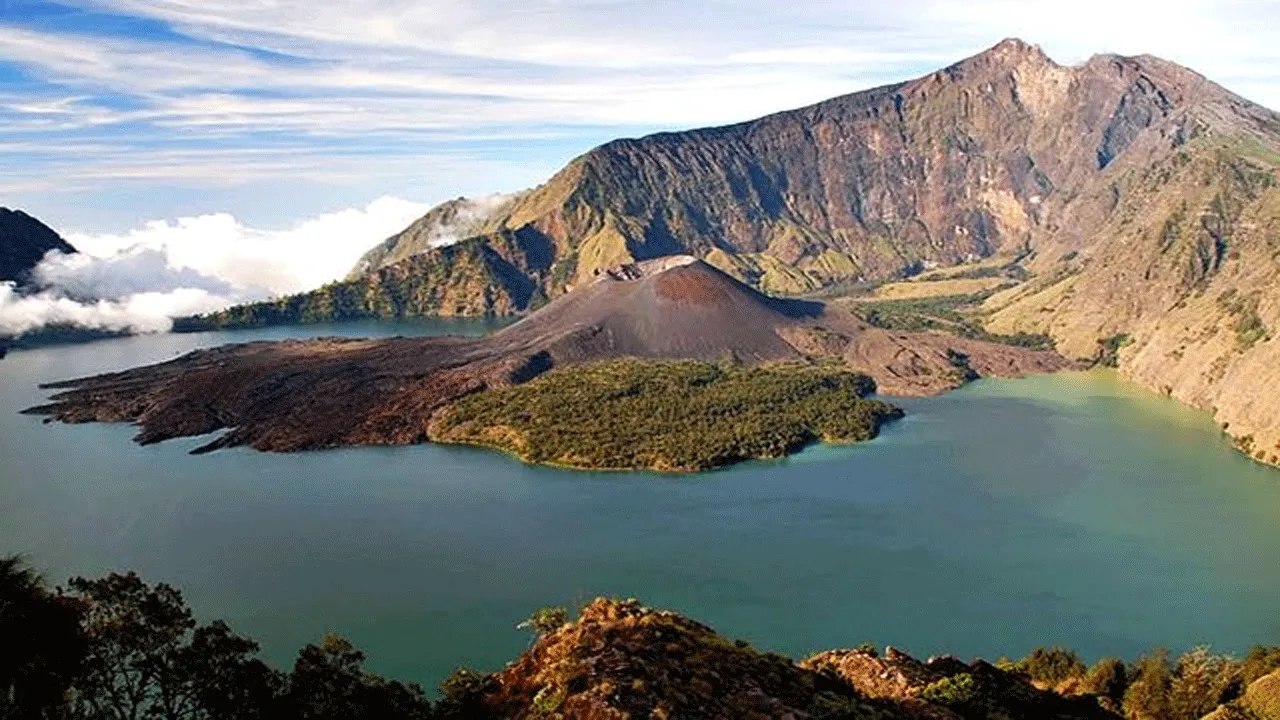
<point x="1147" y="696"/>
<point x="545" y="620"/>
<point x="951" y="691"/>
<point x="1108" y="679"/>
<point x="1259" y="662"/>
<point x="1052" y="665"/>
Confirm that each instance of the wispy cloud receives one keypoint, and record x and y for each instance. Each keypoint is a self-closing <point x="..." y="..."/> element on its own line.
<point x="289" y="84"/>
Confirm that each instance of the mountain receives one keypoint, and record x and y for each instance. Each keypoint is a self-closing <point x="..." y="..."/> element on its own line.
<point x="443" y="225"/>
<point x="24" y="241"/>
<point x="300" y="395"/>
<point x="1137" y="199"/>
<point x="1000" y="152"/>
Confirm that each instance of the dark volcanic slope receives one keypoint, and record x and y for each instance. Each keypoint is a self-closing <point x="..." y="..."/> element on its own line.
<point x="23" y="243"/>
<point x="674" y="308"/>
<point x="330" y="392"/>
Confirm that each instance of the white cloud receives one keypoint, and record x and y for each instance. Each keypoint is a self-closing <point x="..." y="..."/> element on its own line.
<point x="138" y="280"/>
<point x="138" y="313"/>
<point x="363" y="89"/>
<point x="249" y="259"/>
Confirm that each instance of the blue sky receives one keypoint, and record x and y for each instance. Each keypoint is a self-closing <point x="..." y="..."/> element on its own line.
<point x="116" y="112"/>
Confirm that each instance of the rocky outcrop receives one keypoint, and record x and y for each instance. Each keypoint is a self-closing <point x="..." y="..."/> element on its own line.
<point x="620" y="659"/>
<point x="24" y="241"/>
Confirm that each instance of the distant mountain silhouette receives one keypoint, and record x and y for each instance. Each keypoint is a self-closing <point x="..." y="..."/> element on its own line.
<point x="24" y="241"/>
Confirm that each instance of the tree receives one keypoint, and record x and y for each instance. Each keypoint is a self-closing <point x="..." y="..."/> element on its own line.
<point x="148" y="658"/>
<point x="42" y="650"/>
<point x="1108" y="679"/>
<point x="329" y="682"/>
<point x="1201" y="682"/>
<point x="1148" y="695"/>
<point x="1051" y="666"/>
<point x="462" y="694"/>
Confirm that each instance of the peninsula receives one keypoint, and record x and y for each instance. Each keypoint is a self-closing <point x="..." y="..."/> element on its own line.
<point x="762" y="377"/>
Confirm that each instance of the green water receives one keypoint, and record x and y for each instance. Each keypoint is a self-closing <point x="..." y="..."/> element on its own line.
<point x="1071" y="509"/>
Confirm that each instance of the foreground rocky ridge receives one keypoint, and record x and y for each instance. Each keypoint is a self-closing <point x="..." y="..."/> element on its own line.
<point x="116" y="646"/>
<point x="622" y="660"/>
<point x="299" y="395"/>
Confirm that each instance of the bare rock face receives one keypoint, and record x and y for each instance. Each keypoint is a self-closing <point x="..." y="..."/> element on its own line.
<point x="24" y="241"/>
<point x="299" y="395"/>
<point x="998" y="154"/>
<point x="995" y="153"/>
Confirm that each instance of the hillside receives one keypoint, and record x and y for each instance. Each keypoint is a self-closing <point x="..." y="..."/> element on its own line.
<point x="300" y="395"/>
<point x="24" y="241"/>
<point x="1184" y="294"/>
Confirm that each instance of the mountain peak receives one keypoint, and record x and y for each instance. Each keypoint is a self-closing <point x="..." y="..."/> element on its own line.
<point x="1013" y="51"/>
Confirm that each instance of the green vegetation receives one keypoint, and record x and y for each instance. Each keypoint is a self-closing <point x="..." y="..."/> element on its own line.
<point x="1051" y="665"/>
<point x="545" y="620"/>
<point x="116" y="647"/>
<point x="619" y="415"/>
<point x="1155" y="687"/>
<point x="1109" y="349"/>
<point x="952" y="691"/>
<point x="1249" y="327"/>
<point x="946" y="313"/>
<point x="1250" y="330"/>
<point x="470" y="278"/>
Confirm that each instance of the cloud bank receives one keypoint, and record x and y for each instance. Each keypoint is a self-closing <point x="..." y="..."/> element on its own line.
<point x="139" y="280"/>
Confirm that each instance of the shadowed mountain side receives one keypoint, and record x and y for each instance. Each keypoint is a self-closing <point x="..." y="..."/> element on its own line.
<point x="24" y="241"/>
<point x="299" y="395"/>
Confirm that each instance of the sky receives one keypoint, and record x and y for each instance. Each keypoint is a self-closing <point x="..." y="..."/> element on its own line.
<point x="151" y="124"/>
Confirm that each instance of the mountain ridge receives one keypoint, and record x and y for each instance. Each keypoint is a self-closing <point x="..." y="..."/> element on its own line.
<point x="24" y="241"/>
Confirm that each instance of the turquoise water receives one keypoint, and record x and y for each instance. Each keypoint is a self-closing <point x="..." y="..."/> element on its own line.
<point x="1070" y="509"/>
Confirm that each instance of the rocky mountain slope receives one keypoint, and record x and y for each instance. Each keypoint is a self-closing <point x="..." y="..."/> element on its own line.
<point x="328" y="392"/>
<point x="443" y="225"/>
<point x="999" y="153"/>
<point x="1141" y="198"/>
<point x="24" y="241"/>
<point x="1182" y="292"/>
